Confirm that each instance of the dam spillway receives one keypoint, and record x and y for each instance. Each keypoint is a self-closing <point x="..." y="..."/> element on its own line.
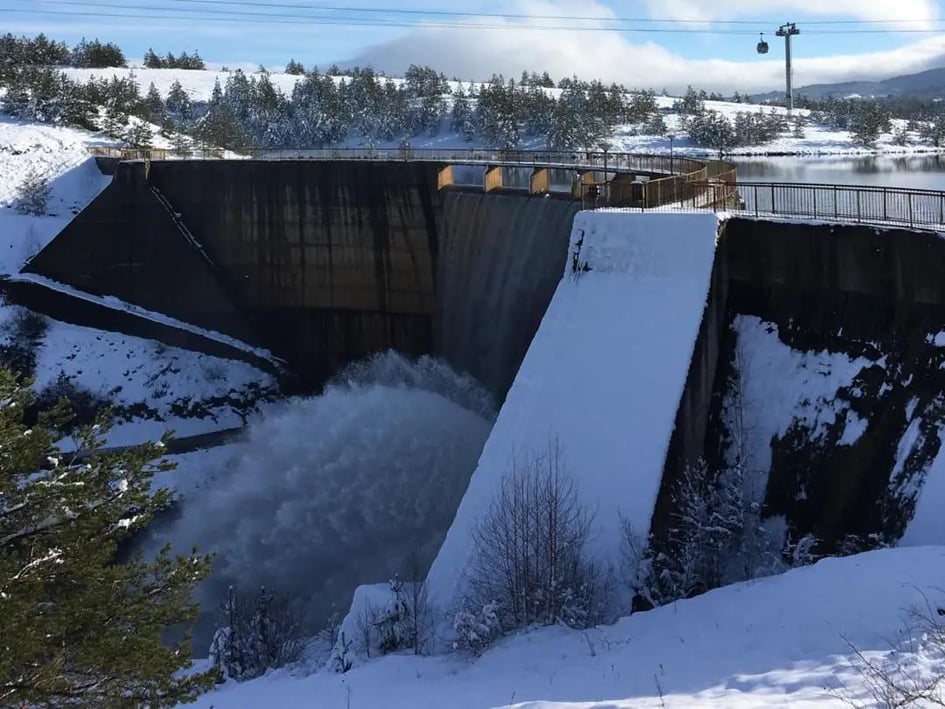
<point x="324" y="262"/>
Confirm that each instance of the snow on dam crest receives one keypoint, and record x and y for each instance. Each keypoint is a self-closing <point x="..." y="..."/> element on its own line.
<point x="603" y="376"/>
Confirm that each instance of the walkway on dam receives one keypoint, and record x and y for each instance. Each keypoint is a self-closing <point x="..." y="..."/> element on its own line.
<point x="605" y="179"/>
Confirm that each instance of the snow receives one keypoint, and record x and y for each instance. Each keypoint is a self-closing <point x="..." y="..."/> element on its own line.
<point x="781" y="386"/>
<point x="603" y="375"/>
<point x="59" y="154"/>
<point x="785" y="640"/>
<point x="818" y="140"/>
<point x="161" y="388"/>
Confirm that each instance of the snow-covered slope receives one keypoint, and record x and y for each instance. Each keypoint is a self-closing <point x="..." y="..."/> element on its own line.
<point x="818" y="140"/>
<point x="154" y="388"/>
<point x="603" y="376"/>
<point x="59" y="154"/>
<point x="782" y="641"/>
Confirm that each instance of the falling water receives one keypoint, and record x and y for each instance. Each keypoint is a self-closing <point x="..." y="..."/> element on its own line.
<point x="345" y="488"/>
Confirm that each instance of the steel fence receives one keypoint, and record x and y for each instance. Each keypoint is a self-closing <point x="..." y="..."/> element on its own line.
<point x="912" y="208"/>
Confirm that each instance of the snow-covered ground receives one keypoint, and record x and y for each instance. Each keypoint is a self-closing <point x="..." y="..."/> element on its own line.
<point x="781" y="641"/>
<point x="60" y="155"/>
<point x="154" y="388"/>
<point x="602" y="377"/>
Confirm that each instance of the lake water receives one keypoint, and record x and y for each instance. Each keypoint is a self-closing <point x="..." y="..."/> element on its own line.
<point x="916" y="172"/>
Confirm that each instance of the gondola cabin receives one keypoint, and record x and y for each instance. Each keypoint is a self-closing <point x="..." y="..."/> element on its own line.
<point x="762" y="45"/>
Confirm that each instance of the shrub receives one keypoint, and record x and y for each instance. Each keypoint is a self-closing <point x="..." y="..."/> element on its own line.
<point x="530" y="565"/>
<point x="477" y="629"/>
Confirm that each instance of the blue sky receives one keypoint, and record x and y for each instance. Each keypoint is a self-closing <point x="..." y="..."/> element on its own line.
<point x="717" y="50"/>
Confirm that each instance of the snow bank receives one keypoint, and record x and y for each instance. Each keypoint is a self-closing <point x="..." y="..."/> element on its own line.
<point x="783" y="640"/>
<point x="603" y="375"/>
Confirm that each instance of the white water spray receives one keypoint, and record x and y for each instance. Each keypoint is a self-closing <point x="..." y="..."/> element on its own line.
<point x="341" y="489"/>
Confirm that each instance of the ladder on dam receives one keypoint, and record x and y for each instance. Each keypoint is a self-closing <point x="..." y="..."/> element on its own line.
<point x="181" y="227"/>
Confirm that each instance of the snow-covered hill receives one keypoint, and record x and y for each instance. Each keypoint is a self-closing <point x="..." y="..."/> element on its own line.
<point x="818" y="140"/>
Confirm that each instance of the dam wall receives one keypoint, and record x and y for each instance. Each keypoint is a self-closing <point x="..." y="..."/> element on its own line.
<point x="854" y="316"/>
<point x="324" y="262"/>
<point x="500" y="258"/>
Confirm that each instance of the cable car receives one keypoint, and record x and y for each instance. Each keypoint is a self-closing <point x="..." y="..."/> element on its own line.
<point x="762" y="45"/>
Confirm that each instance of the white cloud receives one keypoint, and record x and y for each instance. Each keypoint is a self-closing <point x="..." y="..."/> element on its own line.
<point x="610" y="56"/>
<point x="923" y="11"/>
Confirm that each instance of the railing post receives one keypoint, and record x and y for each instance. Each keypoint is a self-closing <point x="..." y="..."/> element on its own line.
<point x="773" y="210"/>
<point x="885" y="218"/>
<point x="835" y="208"/>
<point x="814" y="193"/>
<point x="859" y="217"/>
<point x="910" y="210"/>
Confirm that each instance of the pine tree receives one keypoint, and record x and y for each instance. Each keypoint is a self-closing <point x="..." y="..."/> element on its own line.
<point x="295" y="68"/>
<point x="32" y="198"/>
<point x="154" y="105"/>
<point x="139" y="135"/>
<point x="77" y="627"/>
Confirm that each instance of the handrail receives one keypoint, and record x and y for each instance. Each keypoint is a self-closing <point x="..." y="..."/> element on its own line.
<point x="674" y="182"/>
<point x="860" y="204"/>
<point x="616" y="162"/>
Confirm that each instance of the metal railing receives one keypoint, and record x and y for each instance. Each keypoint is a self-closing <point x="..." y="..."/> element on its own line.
<point x="675" y="182"/>
<point x="892" y="206"/>
<point x="567" y="159"/>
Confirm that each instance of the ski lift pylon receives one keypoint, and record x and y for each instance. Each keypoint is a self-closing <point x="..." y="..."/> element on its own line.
<point x="762" y="45"/>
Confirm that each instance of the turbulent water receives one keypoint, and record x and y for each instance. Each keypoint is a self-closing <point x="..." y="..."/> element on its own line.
<point x="346" y="488"/>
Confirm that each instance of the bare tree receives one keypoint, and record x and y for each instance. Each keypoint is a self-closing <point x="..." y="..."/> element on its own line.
<point x="530" y="557"/>
<point x="911" y="674"/>
<point x="419" y="622"/>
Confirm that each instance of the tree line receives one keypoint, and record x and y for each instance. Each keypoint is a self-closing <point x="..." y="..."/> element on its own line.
<point x="360" y="105"/>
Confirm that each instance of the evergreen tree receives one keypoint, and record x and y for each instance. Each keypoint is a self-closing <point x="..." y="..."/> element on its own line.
<point x="152" y="60"/>
<point x="178" y="103"/>
<point x="76" y="627"/>
<point x="294" y="67"/>
<point x="32" y="198"/>
<point x="139" y="135"/>
<point x="152" y="108"/>
<point x="97" y="55"/>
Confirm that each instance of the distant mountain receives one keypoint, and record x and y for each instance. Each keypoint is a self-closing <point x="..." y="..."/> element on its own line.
<point x="930" y="84"/>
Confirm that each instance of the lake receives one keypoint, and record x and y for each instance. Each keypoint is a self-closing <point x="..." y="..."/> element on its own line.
<point x="918" y="172"/>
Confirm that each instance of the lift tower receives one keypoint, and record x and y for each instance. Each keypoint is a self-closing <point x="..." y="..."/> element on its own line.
<point x="787" y="31"/>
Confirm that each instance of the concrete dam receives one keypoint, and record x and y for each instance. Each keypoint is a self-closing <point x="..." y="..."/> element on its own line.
<point x="820" y="345"/>
<point x="324" y="262"/>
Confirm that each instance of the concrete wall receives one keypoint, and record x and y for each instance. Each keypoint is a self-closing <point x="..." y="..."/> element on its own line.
<point x="688" y="442"/>
<point x="852" y="290"/>
<point x="325" y="262"/>
<point x="125" y="244"/>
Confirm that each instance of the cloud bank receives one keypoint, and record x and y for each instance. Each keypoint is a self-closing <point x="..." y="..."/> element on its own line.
<point x="539" y="44"/>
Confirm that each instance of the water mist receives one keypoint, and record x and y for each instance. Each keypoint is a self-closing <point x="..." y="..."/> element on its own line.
<point x="345" y="488"/>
